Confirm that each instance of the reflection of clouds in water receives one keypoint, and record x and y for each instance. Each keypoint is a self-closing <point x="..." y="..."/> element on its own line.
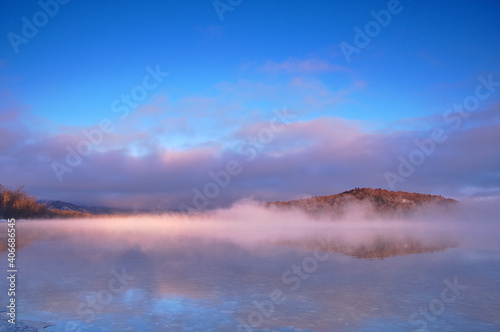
<point x="206" y="271"/>
<point x="137" y="263"/>
<point x="211" y="283"/>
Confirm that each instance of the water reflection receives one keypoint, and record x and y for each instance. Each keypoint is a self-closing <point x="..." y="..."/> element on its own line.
<point x="165" y="274"/>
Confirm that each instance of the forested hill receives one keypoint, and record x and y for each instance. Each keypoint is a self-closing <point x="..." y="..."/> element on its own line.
<point x="382" y="201"/>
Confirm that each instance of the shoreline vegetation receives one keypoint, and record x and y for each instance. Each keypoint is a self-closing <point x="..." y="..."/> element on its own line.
<point x="17" y="204"/>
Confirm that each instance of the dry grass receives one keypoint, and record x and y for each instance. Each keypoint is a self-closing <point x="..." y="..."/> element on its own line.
<point x="16" y="203"/>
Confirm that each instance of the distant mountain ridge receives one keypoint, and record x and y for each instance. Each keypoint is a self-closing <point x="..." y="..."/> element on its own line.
<point x="383" y="201"/>
<point x="65" y="206"/>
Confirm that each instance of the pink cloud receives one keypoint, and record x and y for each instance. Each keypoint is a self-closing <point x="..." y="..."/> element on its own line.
<point x="308" y="157"/>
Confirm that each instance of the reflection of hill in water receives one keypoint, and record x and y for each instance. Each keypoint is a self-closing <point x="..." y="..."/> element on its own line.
<point x="21" y="242"/>
<point x="380" y="246"/>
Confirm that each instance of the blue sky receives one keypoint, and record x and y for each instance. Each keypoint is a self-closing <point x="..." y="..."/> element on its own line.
<point x="225" y="77"/>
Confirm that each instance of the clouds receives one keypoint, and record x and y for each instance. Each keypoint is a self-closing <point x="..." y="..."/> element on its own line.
<point x="165" y="150"/>
<point x="352" y="120"/>
<point x="318" y="156"/>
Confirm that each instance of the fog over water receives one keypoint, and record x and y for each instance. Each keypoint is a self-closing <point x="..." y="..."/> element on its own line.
<point x="248" y="222"/>
<point x="223" y="271"/>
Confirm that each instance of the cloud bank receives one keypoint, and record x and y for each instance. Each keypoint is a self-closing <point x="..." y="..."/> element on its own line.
<point x="277" y="159"/>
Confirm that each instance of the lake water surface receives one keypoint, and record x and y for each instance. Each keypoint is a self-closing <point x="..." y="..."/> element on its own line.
<point x="242" y="271"/>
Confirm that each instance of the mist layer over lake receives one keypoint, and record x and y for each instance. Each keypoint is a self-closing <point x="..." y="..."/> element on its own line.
<point x="253" y="269"/>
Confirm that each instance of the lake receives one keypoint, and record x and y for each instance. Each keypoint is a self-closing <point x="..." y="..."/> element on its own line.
<point x="247" y="269"/>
